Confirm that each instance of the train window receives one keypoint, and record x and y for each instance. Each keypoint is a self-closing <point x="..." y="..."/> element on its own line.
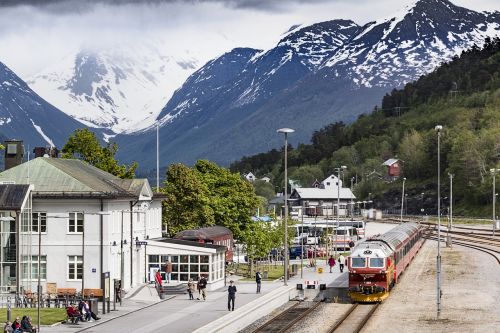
<point x="358" y="262"/>
<point x="376" y="262"/>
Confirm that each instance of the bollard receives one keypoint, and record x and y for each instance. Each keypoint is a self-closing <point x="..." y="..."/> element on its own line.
<point x="8" y="309"/>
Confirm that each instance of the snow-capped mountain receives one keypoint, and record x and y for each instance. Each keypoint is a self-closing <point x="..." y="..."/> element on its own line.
<point x="399" y="49"/>
<point x="122" y="89"/>
<point x="25" y="115"/>
<point x="319" y="74"/>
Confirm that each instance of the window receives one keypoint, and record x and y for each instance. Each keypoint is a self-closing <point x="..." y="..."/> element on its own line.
<point x="358" y="262"/>
<point x="39" y="221"/>
<point x="75" y="224"/>
<point x="25" y="267"/>
<point x="376" y="262"/>
<point x="75" y="267"/>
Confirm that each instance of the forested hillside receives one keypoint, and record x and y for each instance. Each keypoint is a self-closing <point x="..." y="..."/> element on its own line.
<point x="462" y="95"/>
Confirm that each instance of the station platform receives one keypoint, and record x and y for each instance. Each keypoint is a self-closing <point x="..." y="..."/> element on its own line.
<point x="142" y="311"/>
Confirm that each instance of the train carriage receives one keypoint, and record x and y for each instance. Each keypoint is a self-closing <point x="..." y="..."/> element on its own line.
<point x="376" y="263"/>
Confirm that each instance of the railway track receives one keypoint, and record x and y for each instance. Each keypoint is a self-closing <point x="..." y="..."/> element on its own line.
<point x="285" y="320"/>
<point x="354" y="319"/>
<point x="492" y="252"/>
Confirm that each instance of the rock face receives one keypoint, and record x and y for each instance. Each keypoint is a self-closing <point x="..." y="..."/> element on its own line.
<point x="326" y="72"/>
<point x="26" y="116"/>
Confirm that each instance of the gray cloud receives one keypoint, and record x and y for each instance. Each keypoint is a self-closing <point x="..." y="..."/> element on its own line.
<point x="78" y="5"/>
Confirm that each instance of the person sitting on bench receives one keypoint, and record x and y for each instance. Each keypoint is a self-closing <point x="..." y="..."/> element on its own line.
<point x="84" y="309"/>
<point x="74" y="314"/>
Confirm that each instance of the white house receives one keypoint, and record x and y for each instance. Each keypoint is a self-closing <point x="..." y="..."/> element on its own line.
<point x="323" y="199"/>
<point x="250" y="177"/>
<point x="88" y="222"/>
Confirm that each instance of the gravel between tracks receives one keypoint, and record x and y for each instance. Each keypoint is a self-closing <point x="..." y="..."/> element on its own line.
<point x="325" y="316"/>
<point x="262" y="320"/>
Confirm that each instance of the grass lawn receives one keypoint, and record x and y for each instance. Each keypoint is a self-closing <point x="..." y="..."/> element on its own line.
<point x="48" y="316"/>
<point x="460" y="220"/>
<point x="273" y="271"/>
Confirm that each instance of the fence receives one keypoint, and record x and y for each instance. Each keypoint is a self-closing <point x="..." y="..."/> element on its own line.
<point x="47" y="301"/>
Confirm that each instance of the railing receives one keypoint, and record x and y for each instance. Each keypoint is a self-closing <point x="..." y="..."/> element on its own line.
<point x="47" y="301"/>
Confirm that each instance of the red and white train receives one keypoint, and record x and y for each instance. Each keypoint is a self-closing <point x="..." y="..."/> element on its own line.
<point x="376" y="263"/>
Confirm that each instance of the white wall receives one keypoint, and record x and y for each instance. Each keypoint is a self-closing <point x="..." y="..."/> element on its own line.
<point x="57" y="244"/>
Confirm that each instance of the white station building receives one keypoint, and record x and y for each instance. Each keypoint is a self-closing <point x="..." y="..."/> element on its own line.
<point x="90" y="222"/>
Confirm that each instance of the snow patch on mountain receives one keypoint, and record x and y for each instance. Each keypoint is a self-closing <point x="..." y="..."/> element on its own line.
<point x="123" y="89"/>
<point x="44" y="136"/>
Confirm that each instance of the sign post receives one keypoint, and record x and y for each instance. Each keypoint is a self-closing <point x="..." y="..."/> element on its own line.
<point x="106" y="291"/>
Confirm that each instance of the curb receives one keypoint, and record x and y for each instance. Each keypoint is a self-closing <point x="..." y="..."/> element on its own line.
<point x="244" y="316"/>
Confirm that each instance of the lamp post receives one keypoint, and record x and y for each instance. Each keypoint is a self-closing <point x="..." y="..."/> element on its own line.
<point x="402" y="200"/>
<point x="285" y="262"/>
<point x="493" y="173"/>
<point x="343" y="167"/>
<point x="438" y="129"/>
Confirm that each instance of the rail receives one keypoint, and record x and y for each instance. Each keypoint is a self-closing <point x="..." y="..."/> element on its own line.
<point x="285" y="320"/>
<point x="354" y="319"/>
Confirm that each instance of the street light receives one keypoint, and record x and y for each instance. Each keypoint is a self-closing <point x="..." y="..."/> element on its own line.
<point x="438" y="129"/>
<point x="285" y="263"/>
<point x="343" y="167"/>
<point x="402" y="200"/>
<point x="493" y="173"/>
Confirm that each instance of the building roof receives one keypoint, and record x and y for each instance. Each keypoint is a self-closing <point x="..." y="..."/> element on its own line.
<point x="390" y="161"/>
<point x="12" y="197"/>
<point x="71" y="177"/>
<point x="219" y="248"/>
<point x="321" y="193"/>
<point x="204" y="233"/>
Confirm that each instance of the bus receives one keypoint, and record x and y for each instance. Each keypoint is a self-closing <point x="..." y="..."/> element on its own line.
<point x="359" y="225"/>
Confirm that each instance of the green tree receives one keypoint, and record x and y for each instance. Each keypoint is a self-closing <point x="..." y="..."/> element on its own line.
<point x="232" y="199"/>
<point x="264" y="189"/>
<point x="412" y="152"/>
<point x="84" y="145"/>
<point x="186" y="205"/>
<point x="207" y="195"/>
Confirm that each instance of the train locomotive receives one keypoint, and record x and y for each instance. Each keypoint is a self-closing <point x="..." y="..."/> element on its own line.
<point x="376" y="263"/>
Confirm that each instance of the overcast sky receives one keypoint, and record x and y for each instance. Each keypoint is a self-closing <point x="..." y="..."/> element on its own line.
<point x="33" y="36"/>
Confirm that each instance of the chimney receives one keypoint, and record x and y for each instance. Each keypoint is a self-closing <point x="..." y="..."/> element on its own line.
<point x="46" y="152"/>
<point x="14" y="153"/>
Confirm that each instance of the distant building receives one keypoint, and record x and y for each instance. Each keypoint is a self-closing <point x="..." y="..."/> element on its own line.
<point x="216" y="235"/>
<point x="323" y="200"/>
<point x="266" y="179"/>
<point x="249" y="176"/>
<point x="393" y="168"/>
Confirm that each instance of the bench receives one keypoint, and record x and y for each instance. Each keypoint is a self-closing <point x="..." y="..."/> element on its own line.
<point x="61" y="292"/>
<point x="88" y="292"/>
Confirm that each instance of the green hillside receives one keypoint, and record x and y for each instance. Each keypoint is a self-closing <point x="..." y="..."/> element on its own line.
<point x="462" y="95"/>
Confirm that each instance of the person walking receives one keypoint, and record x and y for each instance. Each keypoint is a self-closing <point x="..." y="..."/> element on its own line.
<point x="202" y="285"/>
<point x="168" y="271"/>
<point x="190" y="288"/>
<point x="231" y="296"/>
<point x="258" y="279"/>
<point x="331" y="263"/>
<point x="341" y="263"/>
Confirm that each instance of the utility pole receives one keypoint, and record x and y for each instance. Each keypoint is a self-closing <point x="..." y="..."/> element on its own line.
<point x="402" y="200"/>
<point x="438" y="129"/>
